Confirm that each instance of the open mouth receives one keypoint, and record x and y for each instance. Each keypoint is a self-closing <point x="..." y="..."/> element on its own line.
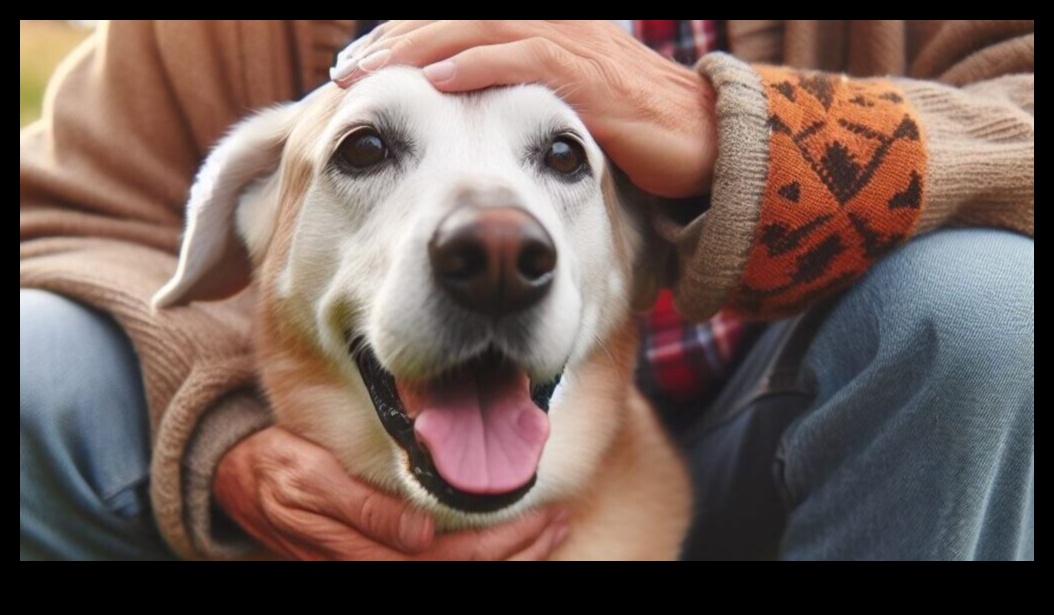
<point x="474" y="436"/>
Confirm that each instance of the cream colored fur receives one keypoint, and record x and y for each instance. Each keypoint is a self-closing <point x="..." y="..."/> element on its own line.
<point x="337" y="256"/>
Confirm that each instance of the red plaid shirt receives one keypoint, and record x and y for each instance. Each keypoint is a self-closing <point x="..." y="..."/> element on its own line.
<point x="681" y="40"/>
<point x="680" y="361"/>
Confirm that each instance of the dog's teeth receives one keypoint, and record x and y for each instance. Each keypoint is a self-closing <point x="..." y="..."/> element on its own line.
<point x="554" y="399"/>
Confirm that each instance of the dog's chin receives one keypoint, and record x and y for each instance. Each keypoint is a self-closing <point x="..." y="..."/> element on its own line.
<point x="472" y="436"/>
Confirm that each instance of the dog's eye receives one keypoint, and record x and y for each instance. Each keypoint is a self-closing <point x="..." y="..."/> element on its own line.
<point x="565" y="155"/>
<point x="362" y="149"/>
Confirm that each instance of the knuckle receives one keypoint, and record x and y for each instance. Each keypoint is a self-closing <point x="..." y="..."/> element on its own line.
<point x="597" y="68"/>
<point x="372" y="512"/>
<point x="281" y="517"/>
<point x="274" y="510"/>
<point x="284" y="482"/>
<point x="292" y="481"/>
<point x="481" y="553"/>
<point x="549" y="55"/>
<point x="542" y="48"/>
<point x="314" y="463"/>
<point x="487" y="548"/>
<point x="403" y="44"/>
<point x="491" y="28"/>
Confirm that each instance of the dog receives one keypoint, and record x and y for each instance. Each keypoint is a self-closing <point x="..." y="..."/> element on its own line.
<point x="445" y="288"/>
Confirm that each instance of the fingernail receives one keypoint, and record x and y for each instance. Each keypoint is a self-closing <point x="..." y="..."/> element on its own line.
<point x="440" y="71"/>
<point x="378" y="31"/>
<point x="341" y="71"/>
<point x="375" y="61"/>
<point x="414" y="530"/>
<point x="351" y="51"/>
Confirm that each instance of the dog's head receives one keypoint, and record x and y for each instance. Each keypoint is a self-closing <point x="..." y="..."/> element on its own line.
<point x="445" y="284"/>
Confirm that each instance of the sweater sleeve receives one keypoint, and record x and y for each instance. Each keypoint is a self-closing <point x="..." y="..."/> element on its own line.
<point x="819" y="175"/>
<point x="102" y="182"/>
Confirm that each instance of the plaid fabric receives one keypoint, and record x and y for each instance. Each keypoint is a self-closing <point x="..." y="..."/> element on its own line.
<point x="681" y="362"/>
<point x="689" y="363"/>
<point x="681" y="40"/>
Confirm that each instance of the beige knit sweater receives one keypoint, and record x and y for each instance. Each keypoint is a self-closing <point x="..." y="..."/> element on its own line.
<point x="818" y="175"/>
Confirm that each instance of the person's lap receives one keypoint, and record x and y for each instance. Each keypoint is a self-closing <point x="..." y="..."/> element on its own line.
<point x="902" y="429"/>
<point x="83" y="437"/>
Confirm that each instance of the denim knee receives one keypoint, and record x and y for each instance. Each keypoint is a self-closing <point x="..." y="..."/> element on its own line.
<point x="80" y="392"/>
<point x="921" y="441"/>
<point x="968" y="295"/>
<point x="83" y="435"/>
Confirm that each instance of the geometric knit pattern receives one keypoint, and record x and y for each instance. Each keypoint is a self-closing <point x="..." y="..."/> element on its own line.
<point x="847" y="162"/>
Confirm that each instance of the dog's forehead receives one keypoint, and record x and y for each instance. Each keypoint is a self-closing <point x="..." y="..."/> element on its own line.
<point x="404" y="95"/>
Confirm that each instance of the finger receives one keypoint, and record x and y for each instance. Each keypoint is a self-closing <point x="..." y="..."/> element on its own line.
<point x="360" y="43"/>
<point x="422" y="42"/>
<point x="499" y="542"/>
<point x="329" y="540"/>
<point x="292" y="548"/>
<point x="380" y="516"/>
<point x="348" y="58"/>
<point x="347" y="69"/>
<point x="399" y="27"/>
<point x="429" y="43"/>
<point x="306" y="535"/>
<point x="535" y="60"/>
<point x="278" y="543"/>
<point x="315" y="482"/>
<point x="545" y="546"/>
<point x="442" y="39"/>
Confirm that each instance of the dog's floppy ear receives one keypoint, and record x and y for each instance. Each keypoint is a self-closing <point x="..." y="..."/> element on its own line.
<point x="213" y="262"/>
<point x="651" y="270"/>
<point x="650" y="254"/>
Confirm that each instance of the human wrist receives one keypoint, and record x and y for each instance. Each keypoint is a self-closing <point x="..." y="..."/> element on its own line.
<point x="232" y="421"/>
<point x="699" y="129"/>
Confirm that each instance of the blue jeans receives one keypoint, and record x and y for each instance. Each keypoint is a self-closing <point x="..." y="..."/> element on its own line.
<point x="899" y="425"/>
<point x="83" y="455"/>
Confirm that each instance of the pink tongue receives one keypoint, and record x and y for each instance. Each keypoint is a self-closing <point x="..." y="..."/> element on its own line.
<point x="481" y="428"/>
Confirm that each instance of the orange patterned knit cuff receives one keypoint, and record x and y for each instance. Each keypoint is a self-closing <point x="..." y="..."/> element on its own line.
<point x="818" y="175"/>
<point x="845" y="185"/>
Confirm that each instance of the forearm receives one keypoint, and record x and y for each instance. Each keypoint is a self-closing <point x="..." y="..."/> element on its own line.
<point x="817" y="176"/>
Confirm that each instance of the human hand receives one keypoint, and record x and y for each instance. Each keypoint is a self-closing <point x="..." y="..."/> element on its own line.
<point x="294" y="497"/>
<point x="653" y="117"/>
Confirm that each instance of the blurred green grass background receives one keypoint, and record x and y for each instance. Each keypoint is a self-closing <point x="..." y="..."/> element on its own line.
<point x="41" y="45"/>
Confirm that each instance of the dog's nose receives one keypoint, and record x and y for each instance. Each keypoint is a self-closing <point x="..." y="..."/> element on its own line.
<point x="492" y="260"/>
